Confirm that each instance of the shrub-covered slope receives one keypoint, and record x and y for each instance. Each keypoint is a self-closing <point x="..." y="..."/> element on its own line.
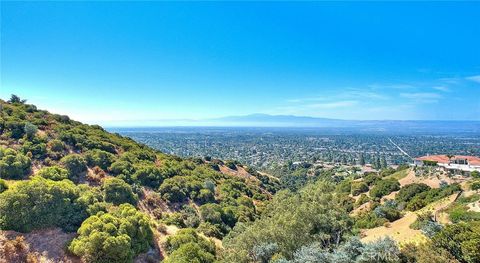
<point x="57" y="172"/>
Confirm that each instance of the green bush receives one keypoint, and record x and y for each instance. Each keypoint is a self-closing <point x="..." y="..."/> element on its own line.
<point x="462" y="240"/>
<point x="210" y="230"/>
<point x="149" y="175"/>
<point x="362" y="200"/>
<point x="37" y="149"/>
<point x="56" y="145"/>
<point x="16" y="128"/>
<point x="116" y="236"/>
<point x="30" y="130"/>
<point x="186" y="236"/>
<point x="99" y="158"/>
<point x="190" y="252"/>
<point x="475" y="185"/>
<point x="118" y="192"/>
<point x="358" y="188"/>
<point x="75" y="164"/>
<point x="40" y="203"/>
<point x="384" y="187"/>
<point x="121" y="167"/>
<point x="409" y="191"/>
<point x="54" y="173"/>
<point x="3" y="186"/>
<point x="475" y="174"/>
<point x="13" y="165"/>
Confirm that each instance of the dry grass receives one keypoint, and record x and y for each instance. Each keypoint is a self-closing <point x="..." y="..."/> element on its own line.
<point x="400" y="230"/>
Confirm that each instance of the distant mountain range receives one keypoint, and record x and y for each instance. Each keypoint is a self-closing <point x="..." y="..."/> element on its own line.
<point x="265" y="120"/>
<point x="277" y="120"/>
<point x="291" y="121"/>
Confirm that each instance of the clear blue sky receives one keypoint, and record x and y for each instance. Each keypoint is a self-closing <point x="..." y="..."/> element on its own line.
<point x="103" y="62"/>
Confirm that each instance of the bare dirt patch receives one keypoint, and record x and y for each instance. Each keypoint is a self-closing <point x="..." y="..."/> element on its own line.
<point x="47" y="245"/>
<point x="400" y="230"/>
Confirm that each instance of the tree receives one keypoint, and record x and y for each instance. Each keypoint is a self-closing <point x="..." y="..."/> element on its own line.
<point x="16" y="99"/>
<point x="362" y="160"/>
<point x="116" y="236"/>
<point x="118" y="192"/>
<point x="462" y="240"/>
<point x="315" y="212"/>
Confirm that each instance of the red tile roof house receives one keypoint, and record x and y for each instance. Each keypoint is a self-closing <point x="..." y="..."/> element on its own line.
<point x="453" y="164"/>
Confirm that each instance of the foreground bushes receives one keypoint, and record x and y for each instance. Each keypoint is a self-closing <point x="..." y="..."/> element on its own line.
<point x="291" y="220"/>
<point x="54" y="173"/>
<point x="41" y="203"/>
<point x="13" y="165"/>
<point x="116" y="236"/>
<point x="188" y="246"/>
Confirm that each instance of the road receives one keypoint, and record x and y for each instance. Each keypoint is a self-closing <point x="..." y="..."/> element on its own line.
<point x="400" y="149"/>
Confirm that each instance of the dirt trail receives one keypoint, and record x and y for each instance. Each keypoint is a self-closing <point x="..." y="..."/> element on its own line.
<point x="400" y="230"/>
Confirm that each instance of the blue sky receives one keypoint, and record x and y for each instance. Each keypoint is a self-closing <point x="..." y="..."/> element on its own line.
<point x="107" y="62"/>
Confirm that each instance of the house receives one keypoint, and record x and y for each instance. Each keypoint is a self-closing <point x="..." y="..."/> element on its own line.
<point x="453" y="164"/>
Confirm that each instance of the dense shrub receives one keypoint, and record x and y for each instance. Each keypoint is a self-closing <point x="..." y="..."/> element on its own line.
<point x="3" y="185"/>
<point x="15" y="128"/>
<point x="75" y="164"/>
<point x="36" y="149"/>
<point x="475" y="185"/>
<point x="314" y="212"/>
<point x="190" y="252"/>
<point x="422" y="199"/>
<point x="149" y="175"/>
<point x="407" y="192"/>
<point x="358" y="188"/>
<point x="56" y="145"/>
<point x="54" y="173"/>
<point x="40" y="203"/>
<point x="118" y="192"/>
<point x="13" y="165"/>
<point x="30" y="130"/>
<point x="462" y="240"/>
<point x="121" y="167"/>
<point x="188" y="246"/>
<point x="384" y="187"/>
<point x="99" y="158"/>
<point x="362" y="200"/>
<point x="116" y="236"/>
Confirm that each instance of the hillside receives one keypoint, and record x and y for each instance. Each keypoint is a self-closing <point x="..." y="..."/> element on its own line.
<point x="66" y="172"/>
<point x="71" y="192"/>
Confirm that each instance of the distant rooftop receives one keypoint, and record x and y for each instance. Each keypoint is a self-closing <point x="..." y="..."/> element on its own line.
<point x="472" y="160"/>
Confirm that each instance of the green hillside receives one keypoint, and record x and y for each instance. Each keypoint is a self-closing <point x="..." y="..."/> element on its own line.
<point x="57" y="172"/>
